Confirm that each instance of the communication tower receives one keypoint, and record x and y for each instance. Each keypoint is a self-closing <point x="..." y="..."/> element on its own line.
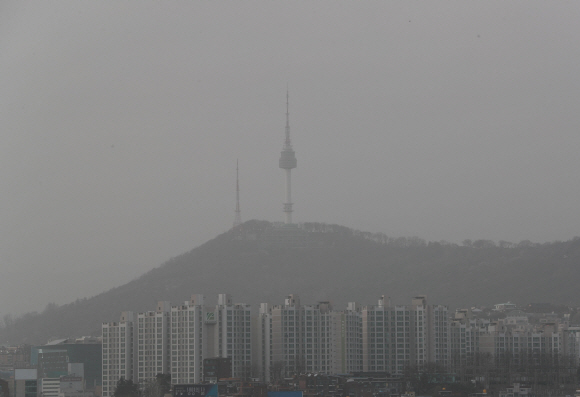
<point x="287" y="162"/>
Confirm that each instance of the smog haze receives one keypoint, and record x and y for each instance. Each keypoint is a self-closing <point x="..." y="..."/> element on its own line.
<point x="122" y="122"/>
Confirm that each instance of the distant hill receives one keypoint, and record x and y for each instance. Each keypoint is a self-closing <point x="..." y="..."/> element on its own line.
<point x="337" y="264"/>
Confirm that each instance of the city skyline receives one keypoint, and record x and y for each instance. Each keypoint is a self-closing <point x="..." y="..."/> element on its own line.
<point x="300" y="338"/>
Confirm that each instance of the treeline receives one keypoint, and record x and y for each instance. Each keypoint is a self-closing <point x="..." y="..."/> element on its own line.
<point x="379" y="238"/>
<point x="414" y="241"/>
<point x="547" y="373"/>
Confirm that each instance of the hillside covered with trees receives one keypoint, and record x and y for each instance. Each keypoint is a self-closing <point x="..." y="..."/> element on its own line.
<point x="337" y="264"/>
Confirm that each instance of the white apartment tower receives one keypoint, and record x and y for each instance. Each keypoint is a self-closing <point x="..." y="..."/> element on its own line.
<point x="188" y="341"/>
<point x="440" y="334"/>
<point x="346" y="340"/>
<point x="431" y="332"/>
<point x="297" y="339"/>
<point x="376" y="336"/>
<point x="316" y="347"/>
<point x="153" y="343"/>
<point x="464" y="335"/>
<point x="421" y="337"/>
<point x="264" y="348"/>
<point x="524" y="344"/>
<point x="571" y="343"/>
<point x="199" y="332"/>
<point x="396" y="336"/>
<point x="118" y="352"/>
<point x="234" y="338"/>
<point x="286" y="336"/>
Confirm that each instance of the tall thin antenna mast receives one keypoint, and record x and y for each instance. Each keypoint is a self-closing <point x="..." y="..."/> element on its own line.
<point x="287" y="143"/>
<point x="238" y="218"/>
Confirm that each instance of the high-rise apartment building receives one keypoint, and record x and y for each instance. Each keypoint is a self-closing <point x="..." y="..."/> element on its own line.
<point x="419" y="338"/>
<point x="379" y="337"/>
<point x="264" y="358"/>
<point x="297" y="338"/>
<point x="286" y="335"/>
<point x="464" y="332"/>
<point x="571" y="343"/>
<point x="346" y="340"/>
<point x="315" y="351"/>
<point x="394" y="337"/>
<point x="294" y="338"/>
<point x="118" y="352"/>
<point x="188" y="341"/>
<point x="153" y="343"/>
<point x="199" y="332"/>
<point x="522" y="344"/>
<point x="234" y="335"/>
<point x="438" y="333"/>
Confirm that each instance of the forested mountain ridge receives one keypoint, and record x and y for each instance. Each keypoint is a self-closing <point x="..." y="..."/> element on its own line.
<point x="338" y="264"/>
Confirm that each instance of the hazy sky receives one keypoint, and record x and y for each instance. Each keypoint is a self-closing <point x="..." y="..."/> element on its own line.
<point x="121" y="123"/>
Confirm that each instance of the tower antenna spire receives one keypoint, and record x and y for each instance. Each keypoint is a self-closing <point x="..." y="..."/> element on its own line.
<point x="287" y="162"/>
<point x="287" y="142"/>
<point x="238" y="217"/>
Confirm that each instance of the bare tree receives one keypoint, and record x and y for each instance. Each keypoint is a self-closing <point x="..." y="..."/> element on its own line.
<point x="157" y="387"/>
<point x="277" y="371"/>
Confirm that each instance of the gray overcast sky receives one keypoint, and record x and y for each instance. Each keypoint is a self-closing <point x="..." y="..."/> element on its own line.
<point x="121" y="123"/>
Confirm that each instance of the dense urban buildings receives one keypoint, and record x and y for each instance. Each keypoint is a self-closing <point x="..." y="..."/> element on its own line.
<point x="293" y="338"/>
<point x="175" y="340"/>
<point x="391" y="343"/>
<point x="61" y="368"/>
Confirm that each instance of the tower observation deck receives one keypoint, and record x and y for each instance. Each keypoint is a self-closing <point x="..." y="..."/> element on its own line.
<point x="287" y="162"/>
